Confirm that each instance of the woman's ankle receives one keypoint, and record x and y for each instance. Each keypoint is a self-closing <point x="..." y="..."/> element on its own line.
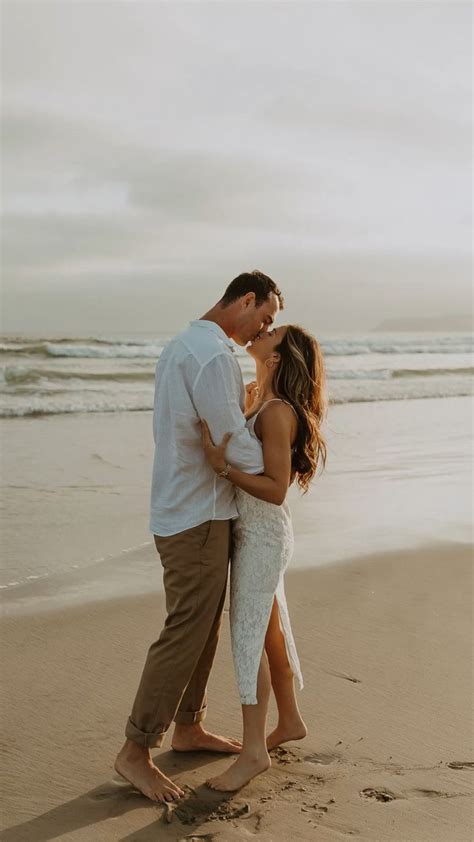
<point x="254" y="753"/>
<point x="289" y="719"/>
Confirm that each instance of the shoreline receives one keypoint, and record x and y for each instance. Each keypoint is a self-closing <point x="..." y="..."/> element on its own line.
<point x="79" y="589"/>
<point x="385" y="651"/>
<point x="76" y="494"/>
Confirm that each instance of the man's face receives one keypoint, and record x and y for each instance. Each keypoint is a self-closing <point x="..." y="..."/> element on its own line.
<point x="253" y="320"/>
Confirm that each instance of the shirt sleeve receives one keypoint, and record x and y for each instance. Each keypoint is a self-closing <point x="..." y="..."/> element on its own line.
<point x="216" y="396"/>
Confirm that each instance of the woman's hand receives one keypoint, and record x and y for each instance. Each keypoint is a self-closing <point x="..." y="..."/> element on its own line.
<point x="251" y="394"/>
<point x="215" y="453"/>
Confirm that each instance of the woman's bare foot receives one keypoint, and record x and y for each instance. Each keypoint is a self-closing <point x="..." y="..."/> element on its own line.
<point x="240" y="773"/>
<point x="134" y="763"/>
<point x="284" y="732"/>
<point x="195" y="738"/>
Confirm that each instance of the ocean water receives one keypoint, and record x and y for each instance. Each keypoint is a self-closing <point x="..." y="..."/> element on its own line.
<point x="77" y="450"/>
<point x="44" y="376"/>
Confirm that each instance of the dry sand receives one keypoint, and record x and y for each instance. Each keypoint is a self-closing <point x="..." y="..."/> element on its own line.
<point x="385" y="645"/>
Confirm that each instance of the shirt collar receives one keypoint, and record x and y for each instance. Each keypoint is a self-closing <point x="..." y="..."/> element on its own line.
<point x="215" y="328"/>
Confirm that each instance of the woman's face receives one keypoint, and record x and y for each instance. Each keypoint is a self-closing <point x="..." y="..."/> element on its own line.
<point x="264" y="345"/>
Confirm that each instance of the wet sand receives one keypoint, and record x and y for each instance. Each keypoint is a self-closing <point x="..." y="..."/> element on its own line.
<point x="76" y="496"/>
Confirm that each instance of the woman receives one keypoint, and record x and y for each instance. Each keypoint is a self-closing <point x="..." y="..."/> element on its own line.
<point x="287" y="406"/>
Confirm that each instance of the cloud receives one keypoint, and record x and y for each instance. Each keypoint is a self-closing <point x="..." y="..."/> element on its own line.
<point x="182" y="141"/>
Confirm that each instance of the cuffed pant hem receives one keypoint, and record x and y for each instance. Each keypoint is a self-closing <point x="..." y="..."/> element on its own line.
<point x="189" y="717"/>
<point x="143" y="739"/>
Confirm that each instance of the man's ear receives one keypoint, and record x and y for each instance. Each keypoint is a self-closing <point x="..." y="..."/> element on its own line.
<point x="249" y="298"/>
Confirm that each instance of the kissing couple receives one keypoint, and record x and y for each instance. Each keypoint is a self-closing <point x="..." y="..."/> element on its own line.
<point x="225" y="456"/>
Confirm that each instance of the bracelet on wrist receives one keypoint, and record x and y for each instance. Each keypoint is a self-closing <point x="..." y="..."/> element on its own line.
<point x="225" y="472"/>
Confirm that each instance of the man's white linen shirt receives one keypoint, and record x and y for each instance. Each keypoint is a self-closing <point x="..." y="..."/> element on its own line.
<point x="197" y="376"/>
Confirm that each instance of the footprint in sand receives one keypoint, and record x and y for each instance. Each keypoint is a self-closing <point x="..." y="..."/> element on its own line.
<point x="200" y="809"/>
<point x="383" y="795"/>
<point x="194" y="809"/>
<point x="461" y="764"/>
<point x="314" y="808"/>
<point x="322" y="759"/>
<point x="285" y="755"/>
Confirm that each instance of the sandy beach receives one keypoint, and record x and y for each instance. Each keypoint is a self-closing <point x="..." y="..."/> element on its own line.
<point x="385" y="648"/>
<point x="380" y="600"/>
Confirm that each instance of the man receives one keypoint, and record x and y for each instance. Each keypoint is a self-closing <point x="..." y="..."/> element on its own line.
<point x="197" y="376"/>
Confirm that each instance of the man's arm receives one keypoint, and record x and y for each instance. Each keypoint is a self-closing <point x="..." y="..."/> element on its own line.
<point x="216" y="396"/>
<point x="278" y="426"/>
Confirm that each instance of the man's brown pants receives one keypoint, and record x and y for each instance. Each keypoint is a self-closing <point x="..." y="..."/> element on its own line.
<point x="174" y="680"/>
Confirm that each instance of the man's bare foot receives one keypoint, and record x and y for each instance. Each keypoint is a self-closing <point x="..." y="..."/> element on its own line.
<point x="195" y="738"/>
<point x="240" y="773"/>
<point x="134" y="763"/>
<point x="283" y="733"/>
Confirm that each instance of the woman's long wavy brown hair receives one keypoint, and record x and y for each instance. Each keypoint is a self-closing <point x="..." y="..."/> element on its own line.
<point x="300" y="379"/>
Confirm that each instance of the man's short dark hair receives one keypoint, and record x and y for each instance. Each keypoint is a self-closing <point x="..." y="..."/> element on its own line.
<point x="256" y="282"/>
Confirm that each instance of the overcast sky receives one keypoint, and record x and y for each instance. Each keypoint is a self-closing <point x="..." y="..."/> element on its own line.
<point x="152" y="151"/>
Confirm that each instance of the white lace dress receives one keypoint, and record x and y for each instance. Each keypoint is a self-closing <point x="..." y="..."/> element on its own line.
<point x="262" y="549"/>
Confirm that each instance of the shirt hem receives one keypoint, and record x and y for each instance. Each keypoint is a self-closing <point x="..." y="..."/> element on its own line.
<point x="167" y="534"/>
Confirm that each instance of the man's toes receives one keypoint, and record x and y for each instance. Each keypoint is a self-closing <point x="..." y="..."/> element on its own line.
<point x="169" y="794"/>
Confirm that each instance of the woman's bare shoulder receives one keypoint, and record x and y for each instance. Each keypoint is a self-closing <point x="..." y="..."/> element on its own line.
<point x="277" y="414"/>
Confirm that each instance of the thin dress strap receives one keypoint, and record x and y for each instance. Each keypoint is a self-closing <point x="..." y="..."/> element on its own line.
<point x="254" y="417"/>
